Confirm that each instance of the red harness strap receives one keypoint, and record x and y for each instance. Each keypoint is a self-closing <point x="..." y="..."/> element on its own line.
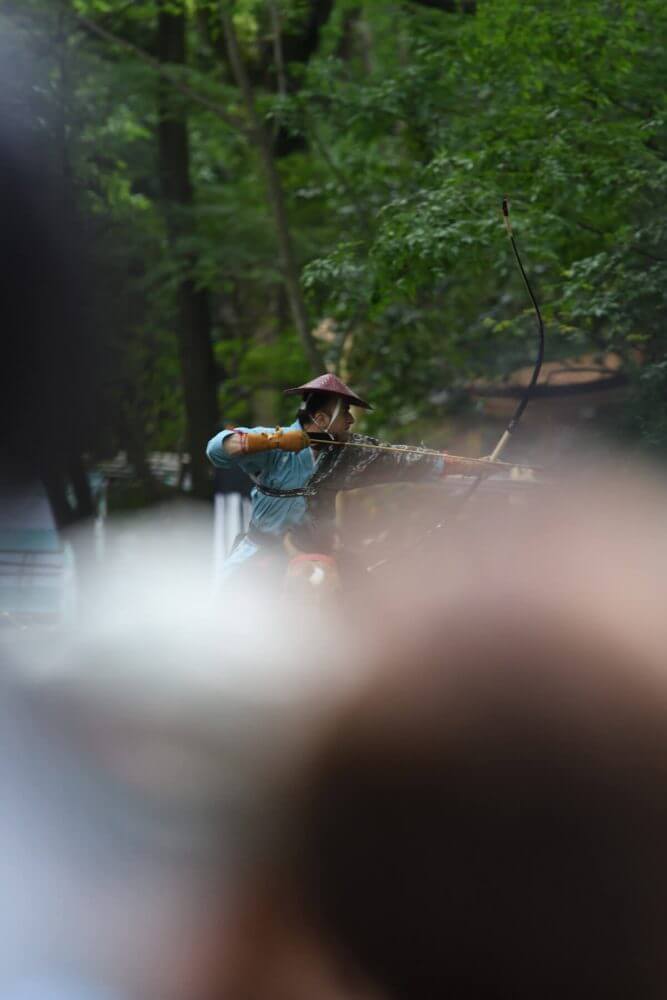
<point x="304" y="557"/>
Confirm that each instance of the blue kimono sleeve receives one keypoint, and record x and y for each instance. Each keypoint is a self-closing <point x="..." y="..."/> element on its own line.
<point x="254" y="464"/>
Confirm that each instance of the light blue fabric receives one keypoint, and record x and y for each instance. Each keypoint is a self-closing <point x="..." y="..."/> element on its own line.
<point x="277" y="469"/>
<point x="55" y="989"/>
<point x="292" y="470"/>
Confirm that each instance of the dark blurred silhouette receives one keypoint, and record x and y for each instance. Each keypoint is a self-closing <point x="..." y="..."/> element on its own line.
<point x="51" y="361"/>
<point x="489" y="820"/>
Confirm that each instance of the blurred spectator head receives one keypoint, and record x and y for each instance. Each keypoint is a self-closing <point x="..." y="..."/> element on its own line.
<point x="140" y="760"/>
<point x="490" y="818"/>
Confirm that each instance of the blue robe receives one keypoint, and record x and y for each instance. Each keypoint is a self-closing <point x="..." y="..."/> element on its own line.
<point x="277" y="469"/>
<point x="283" y="470"/>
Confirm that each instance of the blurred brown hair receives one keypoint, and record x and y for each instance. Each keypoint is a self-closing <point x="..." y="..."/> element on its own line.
<point x="490" y="819"/>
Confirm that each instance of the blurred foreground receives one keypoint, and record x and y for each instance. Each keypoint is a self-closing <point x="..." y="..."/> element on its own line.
<point x="450" y="783"/>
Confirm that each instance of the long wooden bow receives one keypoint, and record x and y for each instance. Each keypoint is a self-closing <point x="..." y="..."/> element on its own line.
<point x="525" y="399"/>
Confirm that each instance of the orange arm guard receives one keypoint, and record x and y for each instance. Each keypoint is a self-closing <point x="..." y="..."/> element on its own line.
<point x="284" y="440"/>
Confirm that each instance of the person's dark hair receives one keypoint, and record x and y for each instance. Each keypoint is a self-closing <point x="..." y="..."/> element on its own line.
<point x="313" y="402"/>
<point x="492" y="822"/>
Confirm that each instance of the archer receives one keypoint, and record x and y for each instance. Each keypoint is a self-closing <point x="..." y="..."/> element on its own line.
<point x="298" y="470"/>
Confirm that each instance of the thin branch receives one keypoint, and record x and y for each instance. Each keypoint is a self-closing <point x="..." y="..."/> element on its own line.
<point x="276" y="196"/>
<point x="649" y="256"/>
<point x="276" y="31"/>
<point x="278" y="56"/>
<point x="632" y="246"/>
<point x="231" y="121"/>
<point x="637" y="110"/>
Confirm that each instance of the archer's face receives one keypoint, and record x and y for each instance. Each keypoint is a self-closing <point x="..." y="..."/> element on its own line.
<point x="341" y="425"/>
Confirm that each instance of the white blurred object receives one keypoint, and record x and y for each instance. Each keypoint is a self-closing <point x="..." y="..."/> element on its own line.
<point x="231" y="517"/>
<point x="139" y="759"/>
<point x="38" y="580"/>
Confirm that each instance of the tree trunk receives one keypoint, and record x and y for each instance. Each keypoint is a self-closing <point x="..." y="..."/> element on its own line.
<point x="276" y="197"/>
<point x="198" y="369"/>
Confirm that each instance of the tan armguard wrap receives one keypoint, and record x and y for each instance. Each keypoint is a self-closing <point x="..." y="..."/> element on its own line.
<point x="292" y="440"/>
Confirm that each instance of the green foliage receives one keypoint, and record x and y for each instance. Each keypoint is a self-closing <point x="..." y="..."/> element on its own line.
<point x="647" y="418"/>
<point x="406" y="127"/>
<point x="561" y="107"/>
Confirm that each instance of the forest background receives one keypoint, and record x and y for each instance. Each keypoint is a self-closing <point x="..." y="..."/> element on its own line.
<point x="242" y="194"/>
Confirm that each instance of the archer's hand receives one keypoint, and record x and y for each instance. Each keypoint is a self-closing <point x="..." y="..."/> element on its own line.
<point x="280" y="439"/>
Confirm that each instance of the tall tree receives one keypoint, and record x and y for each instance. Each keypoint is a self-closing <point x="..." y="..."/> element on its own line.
<point x="198" y="366"/>
<point x="262" y="142"/>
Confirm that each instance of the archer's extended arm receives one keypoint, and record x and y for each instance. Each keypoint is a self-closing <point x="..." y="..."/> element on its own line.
<point x="250" y="443"/>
